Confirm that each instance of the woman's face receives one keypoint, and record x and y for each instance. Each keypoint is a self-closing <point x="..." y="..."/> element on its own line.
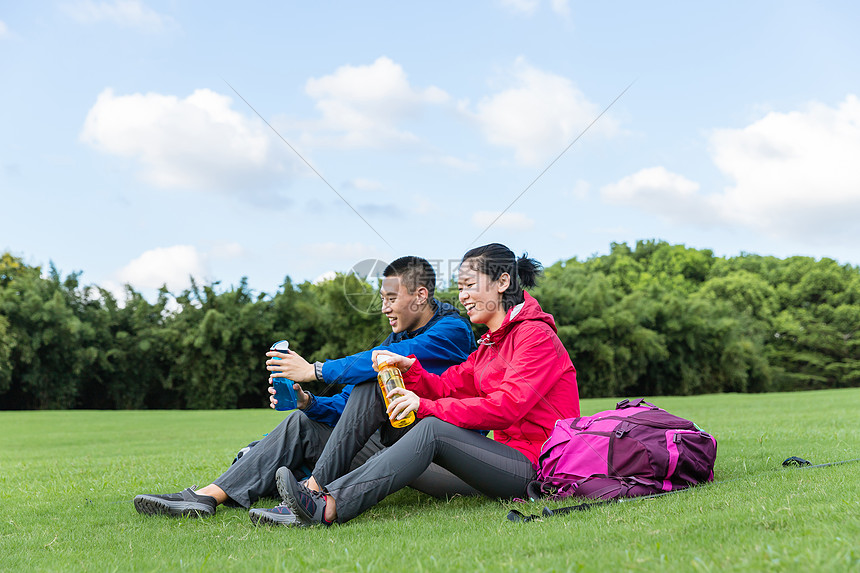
<point x="481" y="296"/>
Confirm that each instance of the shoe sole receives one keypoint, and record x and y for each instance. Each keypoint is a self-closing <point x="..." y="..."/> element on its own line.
<point x="260" y="518"/>
<point x="282" y="483"/>
<point x="151" y="505"/>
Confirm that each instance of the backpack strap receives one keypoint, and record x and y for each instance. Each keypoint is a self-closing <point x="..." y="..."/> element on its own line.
<point x="627" y="403"/>
<point x="617" y="489"/>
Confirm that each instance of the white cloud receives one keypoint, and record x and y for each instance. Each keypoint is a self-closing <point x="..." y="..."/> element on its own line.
<point x="450" y="161"/>
<point x="363" y="184"/>
<point x="510" y="220"/>
<point x="539" y="115"/>
<point x="167" y="265"/>
<point x="794" y="172"/>
<point x="795" y="175"/>
<point x="529" y="7"/>
<point x="227" y="251"/>
<point x="124" y="13"/>
<point x="423" y="206"/>
<point x="362" y="106"/>
<point x="561" y="7"/>
<point x="4" y="30"/>
<point x="341" y="255"/>
<point x="523" y="6"/>
<point x="659" y="191"/>
<point x="580" y="190"/>
<point x="326" y="276"/>
<point x="194" y="143"/>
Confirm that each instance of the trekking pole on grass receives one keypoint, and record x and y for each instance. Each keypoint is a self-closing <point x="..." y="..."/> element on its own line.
<point x="793" y="462"/>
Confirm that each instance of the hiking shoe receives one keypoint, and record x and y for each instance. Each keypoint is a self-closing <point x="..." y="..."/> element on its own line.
<point x="306" y="504"/>
<point x="278" y="515"/>
<point x="183" y="504"/>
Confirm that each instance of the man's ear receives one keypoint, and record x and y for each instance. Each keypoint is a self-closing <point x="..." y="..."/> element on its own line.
<point x="422" y="293"/>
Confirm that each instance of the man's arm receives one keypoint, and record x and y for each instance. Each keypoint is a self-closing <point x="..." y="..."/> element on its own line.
<point x="327" y="409"/>
<point x="446" y="343"/>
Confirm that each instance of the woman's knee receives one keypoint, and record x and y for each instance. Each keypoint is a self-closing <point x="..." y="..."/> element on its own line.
<point x="430" y="428"/>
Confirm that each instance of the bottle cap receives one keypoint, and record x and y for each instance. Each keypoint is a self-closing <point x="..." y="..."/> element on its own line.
<point x="381" y="360"/>
<point x="281" y="346"/>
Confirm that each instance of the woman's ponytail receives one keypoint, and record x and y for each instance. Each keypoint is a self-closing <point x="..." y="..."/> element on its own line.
<point x="528" y="271"/>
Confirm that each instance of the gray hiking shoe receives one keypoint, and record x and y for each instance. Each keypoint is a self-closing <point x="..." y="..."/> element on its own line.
<point x="183" y="504"/>
<point x="306" y="504"/>
<point x="278" y="515"/>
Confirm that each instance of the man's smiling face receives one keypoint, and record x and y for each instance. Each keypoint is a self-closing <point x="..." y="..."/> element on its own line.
<point x="402" y="308"/>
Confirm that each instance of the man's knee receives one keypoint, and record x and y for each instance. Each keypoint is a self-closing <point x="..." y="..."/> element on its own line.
<point x="295" y="424"/>
<point x="364" y="392"/>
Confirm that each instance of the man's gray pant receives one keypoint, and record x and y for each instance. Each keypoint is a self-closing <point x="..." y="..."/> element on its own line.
<point x="299" y="443"/>
<point x="296" y="443"/>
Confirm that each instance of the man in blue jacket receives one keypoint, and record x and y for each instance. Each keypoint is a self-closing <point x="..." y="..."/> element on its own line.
<point x="420" y="325"/>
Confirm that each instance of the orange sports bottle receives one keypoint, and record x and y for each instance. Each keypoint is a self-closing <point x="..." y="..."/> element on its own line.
<point x="390" y="378"/>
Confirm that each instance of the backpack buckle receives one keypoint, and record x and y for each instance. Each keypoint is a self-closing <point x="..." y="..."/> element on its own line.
<point x="622" y="429"/>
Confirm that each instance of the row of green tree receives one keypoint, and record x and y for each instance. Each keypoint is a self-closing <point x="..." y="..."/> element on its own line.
<point x="651" y="320"/>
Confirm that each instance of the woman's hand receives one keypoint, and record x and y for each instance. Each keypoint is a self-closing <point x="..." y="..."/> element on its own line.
<point x="402" y="401"/>
<point x="402" y="362"/>
<point x="290" y="365"/>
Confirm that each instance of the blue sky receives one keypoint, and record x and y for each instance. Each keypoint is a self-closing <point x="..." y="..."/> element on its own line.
<point x="125" y="154"/>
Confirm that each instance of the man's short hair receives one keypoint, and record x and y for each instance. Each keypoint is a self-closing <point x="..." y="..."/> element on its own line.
<point x="413" y="273"/>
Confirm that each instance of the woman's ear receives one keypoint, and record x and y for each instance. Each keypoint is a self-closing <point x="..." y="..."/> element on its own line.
<point x="504" y="282"/>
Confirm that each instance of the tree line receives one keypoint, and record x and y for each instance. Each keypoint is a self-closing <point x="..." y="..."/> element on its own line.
<point x="655" y="319"/>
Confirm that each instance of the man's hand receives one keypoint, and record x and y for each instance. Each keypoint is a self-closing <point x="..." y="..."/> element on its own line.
<point x="272" y="400"/>
<point x="303" y="399"/>
<point x="290" y="365"/>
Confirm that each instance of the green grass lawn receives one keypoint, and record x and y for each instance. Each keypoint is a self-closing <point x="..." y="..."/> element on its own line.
<point x="67" y="479"/>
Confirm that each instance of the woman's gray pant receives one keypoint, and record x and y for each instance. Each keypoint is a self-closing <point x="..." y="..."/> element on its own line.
<point x="494" y="469"/>
<point x="430" y="455"/>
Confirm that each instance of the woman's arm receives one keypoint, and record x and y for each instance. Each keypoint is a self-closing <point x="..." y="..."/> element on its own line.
<point x="456" y="381"/>
<point x="511" y="392"/>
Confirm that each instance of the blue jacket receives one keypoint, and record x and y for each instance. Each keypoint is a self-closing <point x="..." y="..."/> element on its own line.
<point x="444" y="341"/>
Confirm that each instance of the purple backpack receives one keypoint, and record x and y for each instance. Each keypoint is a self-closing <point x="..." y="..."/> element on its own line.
<point x="636" y="449"/>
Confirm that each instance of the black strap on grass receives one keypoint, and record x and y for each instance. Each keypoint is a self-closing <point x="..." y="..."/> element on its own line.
<point x="519" y="517"/>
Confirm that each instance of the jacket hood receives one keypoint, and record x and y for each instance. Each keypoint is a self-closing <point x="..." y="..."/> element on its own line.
<point x="529" y="309"/>
<point x="445" y="309"/>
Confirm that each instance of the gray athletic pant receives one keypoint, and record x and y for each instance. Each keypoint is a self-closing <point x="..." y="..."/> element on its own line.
<point x="494" y="469"/>
<point x="296" y="443"/>
<point x="363" y="416"/>
<point x="299" y="442"/>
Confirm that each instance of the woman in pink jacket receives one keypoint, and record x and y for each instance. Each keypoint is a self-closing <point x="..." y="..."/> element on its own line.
<point x="518" y="383"/>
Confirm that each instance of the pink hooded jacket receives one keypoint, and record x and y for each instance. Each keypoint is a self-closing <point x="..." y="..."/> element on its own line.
<point x="517" y="383"/>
